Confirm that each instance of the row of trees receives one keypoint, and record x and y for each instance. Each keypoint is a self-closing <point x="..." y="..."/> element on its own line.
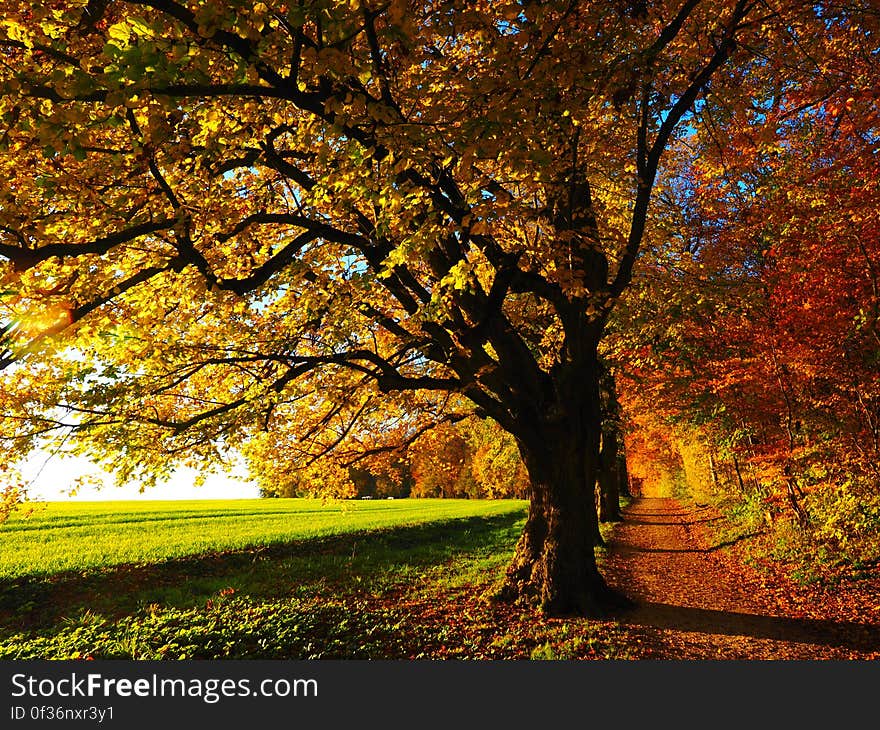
<point x="471" y="459"/>
<point x="765" y="319"/>
<point x="313" y="232"/>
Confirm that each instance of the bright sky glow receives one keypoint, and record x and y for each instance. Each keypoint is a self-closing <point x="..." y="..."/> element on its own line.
<point x="50" y="479"/>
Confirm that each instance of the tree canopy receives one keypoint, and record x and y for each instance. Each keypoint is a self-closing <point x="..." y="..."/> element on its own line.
<point x="766" y="315"/>
<point x="297" y="229"/>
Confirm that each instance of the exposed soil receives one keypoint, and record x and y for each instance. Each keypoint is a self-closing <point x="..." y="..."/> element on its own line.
<point x="697" y="599"/>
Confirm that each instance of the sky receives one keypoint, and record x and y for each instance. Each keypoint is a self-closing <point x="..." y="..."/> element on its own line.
<point x="49" y="478"/>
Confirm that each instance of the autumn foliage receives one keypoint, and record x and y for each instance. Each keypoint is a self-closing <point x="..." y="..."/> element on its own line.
<point x="13" y="492"/>
<point x="759" y="376"/>
<point x="471" y="459"/>
<point x="326" y="235"/>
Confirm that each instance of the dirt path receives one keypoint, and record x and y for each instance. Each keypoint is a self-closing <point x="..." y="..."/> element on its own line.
<point x="696" y="600"/>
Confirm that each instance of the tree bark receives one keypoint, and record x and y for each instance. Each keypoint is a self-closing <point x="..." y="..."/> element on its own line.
<point x="554" y="564"/>
<point x="622" y="470"/>
<point x="609" y="477"/>
<point x="713" y="471"/>
<point x="609" y="457"/>
<point x="739" y="479"/>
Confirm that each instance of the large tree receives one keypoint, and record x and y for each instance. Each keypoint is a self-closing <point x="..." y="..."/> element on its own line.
<point x="321" y="225"/>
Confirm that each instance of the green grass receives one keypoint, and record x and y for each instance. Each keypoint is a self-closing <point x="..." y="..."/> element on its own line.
<point x="277" y="579"/>
<point x="76" y="536"/>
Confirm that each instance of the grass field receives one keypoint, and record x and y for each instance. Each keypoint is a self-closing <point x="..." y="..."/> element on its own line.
<point x="64" y="536"/>
<point x="275" y="579"/>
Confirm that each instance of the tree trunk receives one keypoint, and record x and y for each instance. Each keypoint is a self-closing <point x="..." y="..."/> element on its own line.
<point x="609" y="477"/>
<point x="609" y="457"/>
<point x="622" y="471"/>
<point x="739" y="479"/>
<point x="554" y="565"/>
<point x="713" y="471"/>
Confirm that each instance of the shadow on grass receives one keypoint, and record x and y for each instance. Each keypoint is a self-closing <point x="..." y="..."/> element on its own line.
<point x="367" y="557"/>
<point x="851" y="635"/>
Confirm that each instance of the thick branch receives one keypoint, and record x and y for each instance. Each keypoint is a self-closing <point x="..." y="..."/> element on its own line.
<point x="650" y="159"/>
<point x="26" y="258"/>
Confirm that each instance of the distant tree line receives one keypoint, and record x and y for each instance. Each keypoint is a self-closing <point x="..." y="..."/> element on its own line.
<point x="472" y="459"/>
